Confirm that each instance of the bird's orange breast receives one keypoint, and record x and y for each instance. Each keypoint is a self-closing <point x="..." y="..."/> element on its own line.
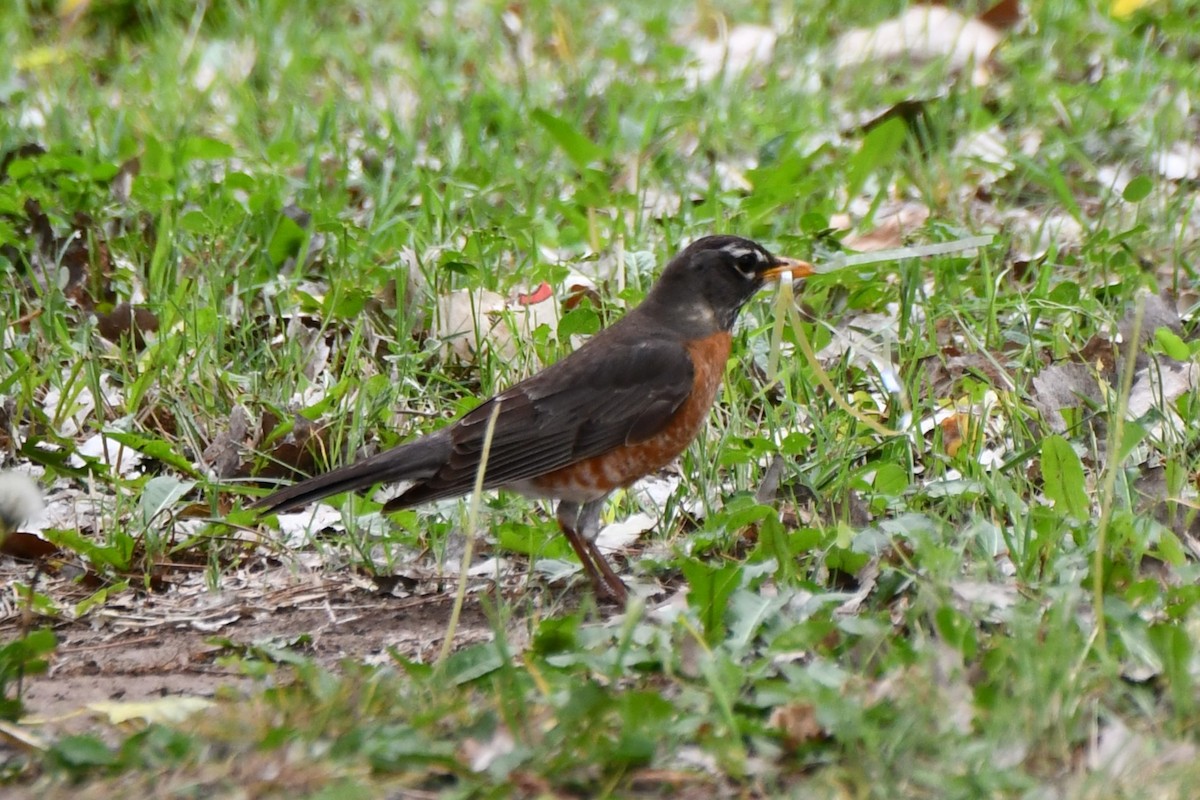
<point x="594" y="477"/>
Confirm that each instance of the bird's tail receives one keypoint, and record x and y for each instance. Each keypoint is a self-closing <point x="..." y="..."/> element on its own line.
<point x="414" y="461"/>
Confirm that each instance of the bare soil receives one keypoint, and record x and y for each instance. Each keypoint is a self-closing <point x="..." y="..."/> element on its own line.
<point x="146" y="645"/>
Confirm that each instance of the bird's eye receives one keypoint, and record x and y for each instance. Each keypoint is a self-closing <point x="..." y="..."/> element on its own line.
<point x="748" y="260"/>
<point x="750" y="263"/>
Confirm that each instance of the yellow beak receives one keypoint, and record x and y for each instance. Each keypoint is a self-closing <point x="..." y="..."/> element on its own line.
<point x="799" y="269"/>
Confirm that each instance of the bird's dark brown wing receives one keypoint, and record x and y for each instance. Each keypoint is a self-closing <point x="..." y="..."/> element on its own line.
<point x="585" y="405"/>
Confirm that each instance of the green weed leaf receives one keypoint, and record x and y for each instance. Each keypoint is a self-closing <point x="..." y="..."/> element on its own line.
<point x="1062" y="473"/>
<point x="581" y="150"/>
<point x="879" y="149"/>
<point x="710" y="590"/>
<point x="1172" y="345"/>
<point x="1137" y="189"/>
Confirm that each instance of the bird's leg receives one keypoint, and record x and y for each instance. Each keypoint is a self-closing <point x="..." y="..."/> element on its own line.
<point x="589" y="529"/>
<point x="580" y="524"/>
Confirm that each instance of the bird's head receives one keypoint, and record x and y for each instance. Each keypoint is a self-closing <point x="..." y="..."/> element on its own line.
<point x="714" y="277"/>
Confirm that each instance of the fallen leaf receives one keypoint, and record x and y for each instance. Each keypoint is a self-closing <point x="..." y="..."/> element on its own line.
<point x="26" y="546"/>
<point x="1061" y="386"/>
<point x="542" y="293"/>
<point x="122" y="460"/>
<point x="1180" y="163"/>
<point x="731" y="53"/>
<point x="480" y="754"/>
<point x="797" y="724"/>
<point x="619" y="535"/>
<point x="127" y="323"/>
<point x="223" y="456"/>
<point x="168" y="710"/>
<point x="919" y="35"/>
<point x="891" y="227"/>
<point x="468" y="321"/>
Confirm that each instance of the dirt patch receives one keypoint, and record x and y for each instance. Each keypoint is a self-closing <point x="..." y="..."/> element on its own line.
<point x="143" y="646"/>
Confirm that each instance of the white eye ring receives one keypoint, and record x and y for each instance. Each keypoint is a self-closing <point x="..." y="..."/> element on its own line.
<point x="739" y="252"/>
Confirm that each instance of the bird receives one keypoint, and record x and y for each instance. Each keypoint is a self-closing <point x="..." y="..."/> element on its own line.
<point x="623" y="405"/>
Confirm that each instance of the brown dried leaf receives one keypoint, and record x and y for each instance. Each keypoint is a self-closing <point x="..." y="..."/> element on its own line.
<point x="223" y="456"/>
<point x="127" y="323"/>
<point x="1002" y="16"/>
<point x="121" y="185"/>
<point x="797" y="723"/>
<point x="296" y="453"/>
<point x="892" y="226"/>
<point x="26" y="546"/>
<point x="1064" y="385"/>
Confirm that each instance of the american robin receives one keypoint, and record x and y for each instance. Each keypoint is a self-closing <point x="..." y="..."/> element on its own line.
<point x="623" y="405"/>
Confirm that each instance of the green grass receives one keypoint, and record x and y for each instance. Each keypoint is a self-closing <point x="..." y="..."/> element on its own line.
<point x="485" y="147"/>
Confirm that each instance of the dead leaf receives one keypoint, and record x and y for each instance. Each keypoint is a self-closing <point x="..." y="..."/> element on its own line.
<point x="1064" y="385"/>
<point x="797" y="724"/>
<point x="59" y="263"/>
<point x="470" y="321"/>
<point x="480" y="754"/>
<point x="223" y="456"/>
<point x="26" y="546"/>
<point x="732" y="52"/>
<point x="1037" y="232"/>
<point x="1180" y="163"/>
<point x="1161" y="383"/>
<point x="121" y="185"/>
<point x="921" y="34"/>
<point x="122" y="460"/>
<point x="295" y="453"/>
<point x="1002" y="16"/>
<point x="892" y="225"/>
<point x="1159" y="311"/>
<point x="168" y="710"/>
<point x="617" y="536"/>
<point x="127" y="323"/>
<point x="945" y="373"/>
<point x="542" y="293"/>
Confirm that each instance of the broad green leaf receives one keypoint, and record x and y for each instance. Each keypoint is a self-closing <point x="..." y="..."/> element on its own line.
<point x="1170" y="549"/>
<point x="891" y="479"/>
<point x="580" y="149"/>
<point x="579" y="321"/>
<point x="1171" y="344"/>
<point x="1130" y="438"/>
<point x="1063" y="478"/>
<point x="160" y="494"/>
<point x="116" y="555"/>
<point x="203" y="148"/>
<point x="471" y="663"/>
<point x="83" y="750"/>
<point x="774" y="542"/>
<point x="879" y="149"/>
<point x="1174" y="647"/>
<point x="709" y="591"/>
<point x="1137" y="189"/>
<point x="285" y="242"/>
<point x="957" y="630"/>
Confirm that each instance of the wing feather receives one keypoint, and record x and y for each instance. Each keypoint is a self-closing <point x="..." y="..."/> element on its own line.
<point x="577" y="408"/>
